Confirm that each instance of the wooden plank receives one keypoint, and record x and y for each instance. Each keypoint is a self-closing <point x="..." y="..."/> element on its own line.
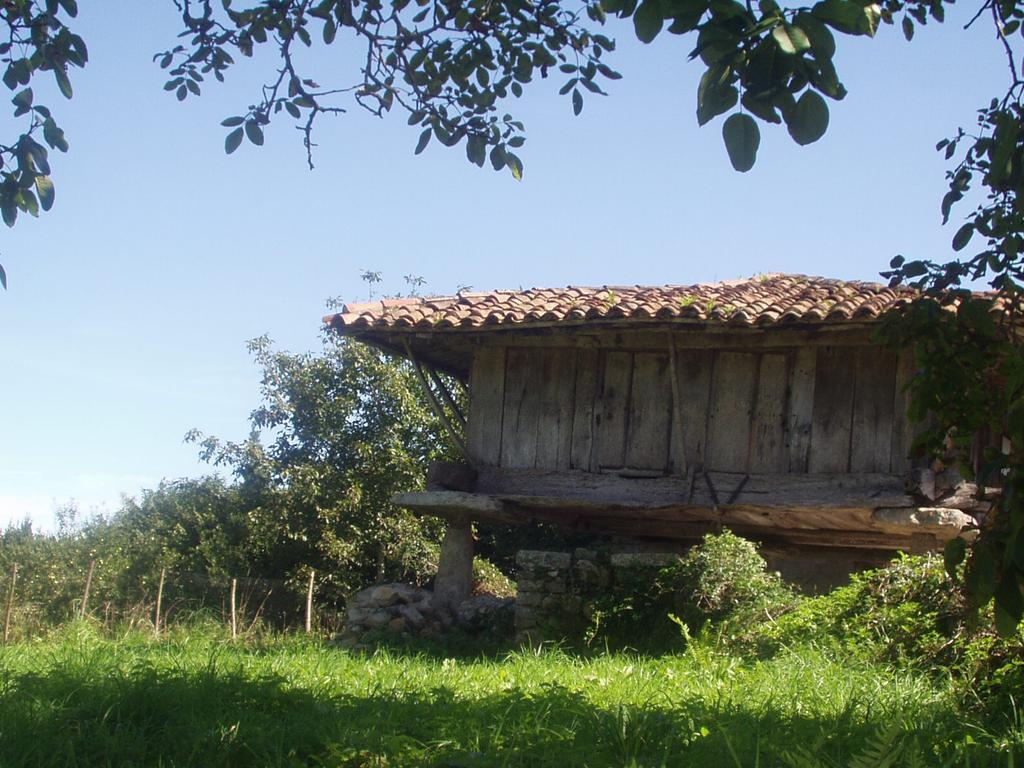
<point x="486" y="405"/>
<point x="768" y="450"/>
<point x="650" y="413"/>
<point x="801" y="407"/>
<point x="587" y="371"/>
<point x="694" y="369"/>
<point x="832" y="420"/>
<point x="613" y="409"/>
<point x="903" y="430"/>
<point x="782" y="490"/>
<point x="554" y="391"/>
<point x="729" y="417"/>
<point x="650" y="337"/>
<point x="685" y="523"/>
<point x="874" y="393"/>
<point x="521" y="413"/>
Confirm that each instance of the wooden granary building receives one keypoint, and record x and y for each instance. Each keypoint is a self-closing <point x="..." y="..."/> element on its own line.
<point x="659" y="413"/>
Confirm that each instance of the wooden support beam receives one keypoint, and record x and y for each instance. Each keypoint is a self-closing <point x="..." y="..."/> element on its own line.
<point x="457" y="438"/>
<point x="447" y="396"/>
<point x="855" y="526"/>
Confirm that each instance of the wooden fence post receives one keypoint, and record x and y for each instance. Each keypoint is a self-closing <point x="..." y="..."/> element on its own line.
<point x="85" y="593"/>
<point x="309" y="603"/>
<point x="10" y="602"/>
<point x="159" y="599"/>
<point x="234" y="617"/>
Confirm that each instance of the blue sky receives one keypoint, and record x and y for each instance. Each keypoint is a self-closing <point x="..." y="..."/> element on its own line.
<point x="130" y="303"/>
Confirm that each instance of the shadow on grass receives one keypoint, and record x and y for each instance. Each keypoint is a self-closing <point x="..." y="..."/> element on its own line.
<point x="143" y="716"/>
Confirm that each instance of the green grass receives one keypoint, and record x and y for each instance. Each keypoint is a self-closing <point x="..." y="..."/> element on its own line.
<point x="78" y="698"/>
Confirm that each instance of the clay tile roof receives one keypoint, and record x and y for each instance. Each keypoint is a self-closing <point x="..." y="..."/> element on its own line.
<point x="763" y="300"/>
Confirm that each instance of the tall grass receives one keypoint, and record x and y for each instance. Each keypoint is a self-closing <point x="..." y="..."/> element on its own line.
<point x="194" y="698"/>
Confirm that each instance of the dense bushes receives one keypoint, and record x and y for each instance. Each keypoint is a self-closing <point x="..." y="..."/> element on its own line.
<point x="722" y="580"/>
<point x="911" y="614"/>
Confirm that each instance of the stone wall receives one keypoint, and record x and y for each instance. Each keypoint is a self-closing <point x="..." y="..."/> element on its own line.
<point x="557" y="590"/>
<point x="402" y="609"/>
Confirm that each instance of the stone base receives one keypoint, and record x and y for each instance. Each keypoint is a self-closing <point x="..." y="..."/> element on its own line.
<point x="401" y="609"/>
<point x="556" y="589"/>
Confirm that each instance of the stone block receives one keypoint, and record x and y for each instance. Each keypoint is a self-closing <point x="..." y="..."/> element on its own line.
<point x="397" y="625"/>
<point x="355" y="615"/>
<point x="543" y="560"/>
<point x="528" y="584"/>
<point x="378" y="619"/>
<point x="556" y="586"/>
<point x="552" y="604"/>
<point x="528" y="599"/>
<point x="411" y="615"/>
<point x="525" y="616"/>
<point x="588" y="575"/>
<point x="643" y="559"/>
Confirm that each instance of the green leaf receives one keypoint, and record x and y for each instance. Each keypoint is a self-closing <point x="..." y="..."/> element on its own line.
<point x="790" y="39"/>
<point x="23" y="101"/>
<point x="63" y="83"/>
<point x="762" y="109"/>
<point x="742" y="138"/>
<point x="908" y="28"/>
<point x="515" y="165"/>
<point x="648" y="20"/>
<point x="3" y="277"/>
<point x="233" y="140"/>
<point x="577" y="101"/>
<point x="1009" y="604"/>
<point x="849" y="17"/>
<point x="476" y="150"/>
<point x="823" y="44"/>
<point x="981" y="573"/>
<point x="254" y="132"/>
<point x="231" y="122"/>
<point x="9" y="211"/>
<point x="423" y="141"/>
<point x="955" y="550"/>
<point x="963" y="236"/>
<point x="498" y="160"/>
<point x="808" y="120"/>
<point x="44" y="188"/>
<point x="715" y="95"/>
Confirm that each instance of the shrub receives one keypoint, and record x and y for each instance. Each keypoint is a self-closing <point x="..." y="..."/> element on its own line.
<point x="725" y="577"/>
<point x="722" y="581"/>
<point x="489" y="580"/>
<point x="912" y="614"/>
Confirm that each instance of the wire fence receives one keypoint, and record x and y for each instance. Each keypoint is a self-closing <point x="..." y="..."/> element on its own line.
<point x="33" y="603"/>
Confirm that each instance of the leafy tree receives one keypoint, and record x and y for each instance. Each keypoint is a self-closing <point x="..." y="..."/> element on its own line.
<point x="346" y="430"/>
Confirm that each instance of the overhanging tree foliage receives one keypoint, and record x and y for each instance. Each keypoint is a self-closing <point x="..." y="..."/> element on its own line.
<point x="452" y="66"/>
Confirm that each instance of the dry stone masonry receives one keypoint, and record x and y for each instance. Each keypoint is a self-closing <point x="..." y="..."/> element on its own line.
<point x="402" y="609"/>
<point x="557" y="590"/>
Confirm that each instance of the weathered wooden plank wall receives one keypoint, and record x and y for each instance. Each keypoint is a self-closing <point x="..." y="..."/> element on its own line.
<point x="807" y="409"/>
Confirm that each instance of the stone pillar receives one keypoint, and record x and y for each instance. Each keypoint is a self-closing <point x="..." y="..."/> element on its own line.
<point x="454" y="580"/>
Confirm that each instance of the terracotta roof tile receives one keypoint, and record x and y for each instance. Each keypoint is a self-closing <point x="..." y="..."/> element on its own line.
<point x="758" y="301"/>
